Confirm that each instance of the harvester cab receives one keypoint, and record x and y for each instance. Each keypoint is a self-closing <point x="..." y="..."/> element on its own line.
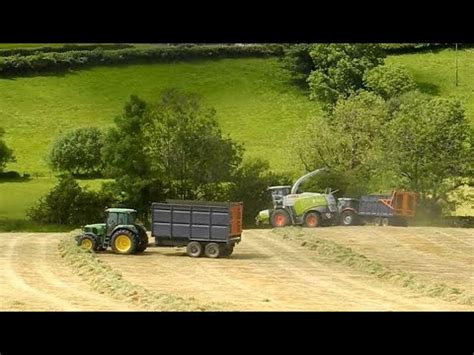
<point x="120" y="231"/>
<point x="278" y="193"/>
<point x="292" y="208"/>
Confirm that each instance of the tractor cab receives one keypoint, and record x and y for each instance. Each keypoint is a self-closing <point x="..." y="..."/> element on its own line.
<point x="277" y="193"/>
<point x="119" y="216"/>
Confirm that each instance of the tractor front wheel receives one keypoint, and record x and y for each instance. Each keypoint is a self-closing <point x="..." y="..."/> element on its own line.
<point x="124" y="242"/>
<point x="280" y="218"/>
<point x="88" y="242"/>
<point x="312" y="220"/>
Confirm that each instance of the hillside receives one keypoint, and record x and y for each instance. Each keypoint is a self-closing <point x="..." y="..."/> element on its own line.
<point x="255" y="104"/>
<point x="435" y="74"/>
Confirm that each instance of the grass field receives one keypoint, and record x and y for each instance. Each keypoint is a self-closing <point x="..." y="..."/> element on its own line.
<point x="435" y="73"/>
<point x="255" y="104"/>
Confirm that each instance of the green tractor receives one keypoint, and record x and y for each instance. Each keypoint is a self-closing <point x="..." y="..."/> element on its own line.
<point x="291" y="208"/>
<point x="120" y="231"/>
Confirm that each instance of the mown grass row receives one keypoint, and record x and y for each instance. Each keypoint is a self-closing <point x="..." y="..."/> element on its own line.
<point x="333" y="252"/>
<point x="105" y="280"/>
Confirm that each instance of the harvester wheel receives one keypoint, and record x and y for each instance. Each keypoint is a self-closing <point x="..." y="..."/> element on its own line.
<point x="212" y="250"/>
<point x="280" y="218"/>
<point x="194" y="249"/>
<point x="385" y="222"/>
<point x="124" y="242"/>
<point x="88" y="242"/>
<point x="348" y="218"/>
<point x="312" y="220"/>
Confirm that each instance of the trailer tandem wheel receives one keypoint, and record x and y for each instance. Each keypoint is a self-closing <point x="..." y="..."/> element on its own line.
<point x="212" y="250"/>
<point x="194" y="249"/>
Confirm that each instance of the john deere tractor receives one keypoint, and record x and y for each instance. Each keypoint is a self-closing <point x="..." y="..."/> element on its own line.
<point x="120" y="232"/>
<point x="291" y="208"/>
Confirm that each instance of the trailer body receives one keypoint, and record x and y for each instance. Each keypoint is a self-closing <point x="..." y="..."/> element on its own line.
<point x="178" y="223"/>
<point x="395" y="209"/>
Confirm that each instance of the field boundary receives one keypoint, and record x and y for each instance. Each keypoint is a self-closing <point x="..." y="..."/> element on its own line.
<point x="56" y="62"/>
<point x="103" y="279"/>
<point x="333" y="252"/>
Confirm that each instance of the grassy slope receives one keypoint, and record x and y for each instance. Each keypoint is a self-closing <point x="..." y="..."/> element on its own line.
<point x="435" y="74"/>
<point x="254" y="102"/>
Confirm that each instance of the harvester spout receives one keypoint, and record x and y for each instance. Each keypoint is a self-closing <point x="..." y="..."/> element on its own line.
<point x="298" y="182"/>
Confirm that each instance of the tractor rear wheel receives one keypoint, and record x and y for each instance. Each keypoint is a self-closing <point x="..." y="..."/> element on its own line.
<point x="348" y="218"/>
<point x="194" y="249"/>
<point x="88" y="242"/>
<point x="312" y="220"/>
<point x="280" y="219"/>
<point x="212" y="250"/>
<point x="143" y="243"/>
<point x="124" y="242"/>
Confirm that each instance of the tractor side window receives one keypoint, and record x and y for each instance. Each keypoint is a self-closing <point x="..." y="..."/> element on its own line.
<point x="122" y="218"/>
<point x="112" y="219"/>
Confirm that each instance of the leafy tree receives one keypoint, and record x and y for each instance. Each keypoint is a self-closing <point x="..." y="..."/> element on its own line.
<point x="123" y="152"/>
<point x="6" y="154"/>
<point x="431" y="148"/>
<point x="348" y="141"/>
<point x="186" y="147"/>
<point x="298" y="62"/>
<point x="339" y="69"/>
<point x="78" y="152"/>
<point x="126" y="160"/>
<point x="69" y="204"/>
<point x="172" y="148"/>
<point x="389" y="81"/>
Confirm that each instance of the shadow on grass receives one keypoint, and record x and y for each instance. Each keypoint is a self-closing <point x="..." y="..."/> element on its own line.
<point x="24" y="225"/>
<point x="429" y="88"/>
<point x="13" y="176"/>
<point x="58" y="73"/>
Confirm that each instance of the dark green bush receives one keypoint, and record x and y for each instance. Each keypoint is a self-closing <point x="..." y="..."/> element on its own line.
<point x="69" y="204"/>
<point x="65" y="48"/>
<point x="58" y="61"/>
